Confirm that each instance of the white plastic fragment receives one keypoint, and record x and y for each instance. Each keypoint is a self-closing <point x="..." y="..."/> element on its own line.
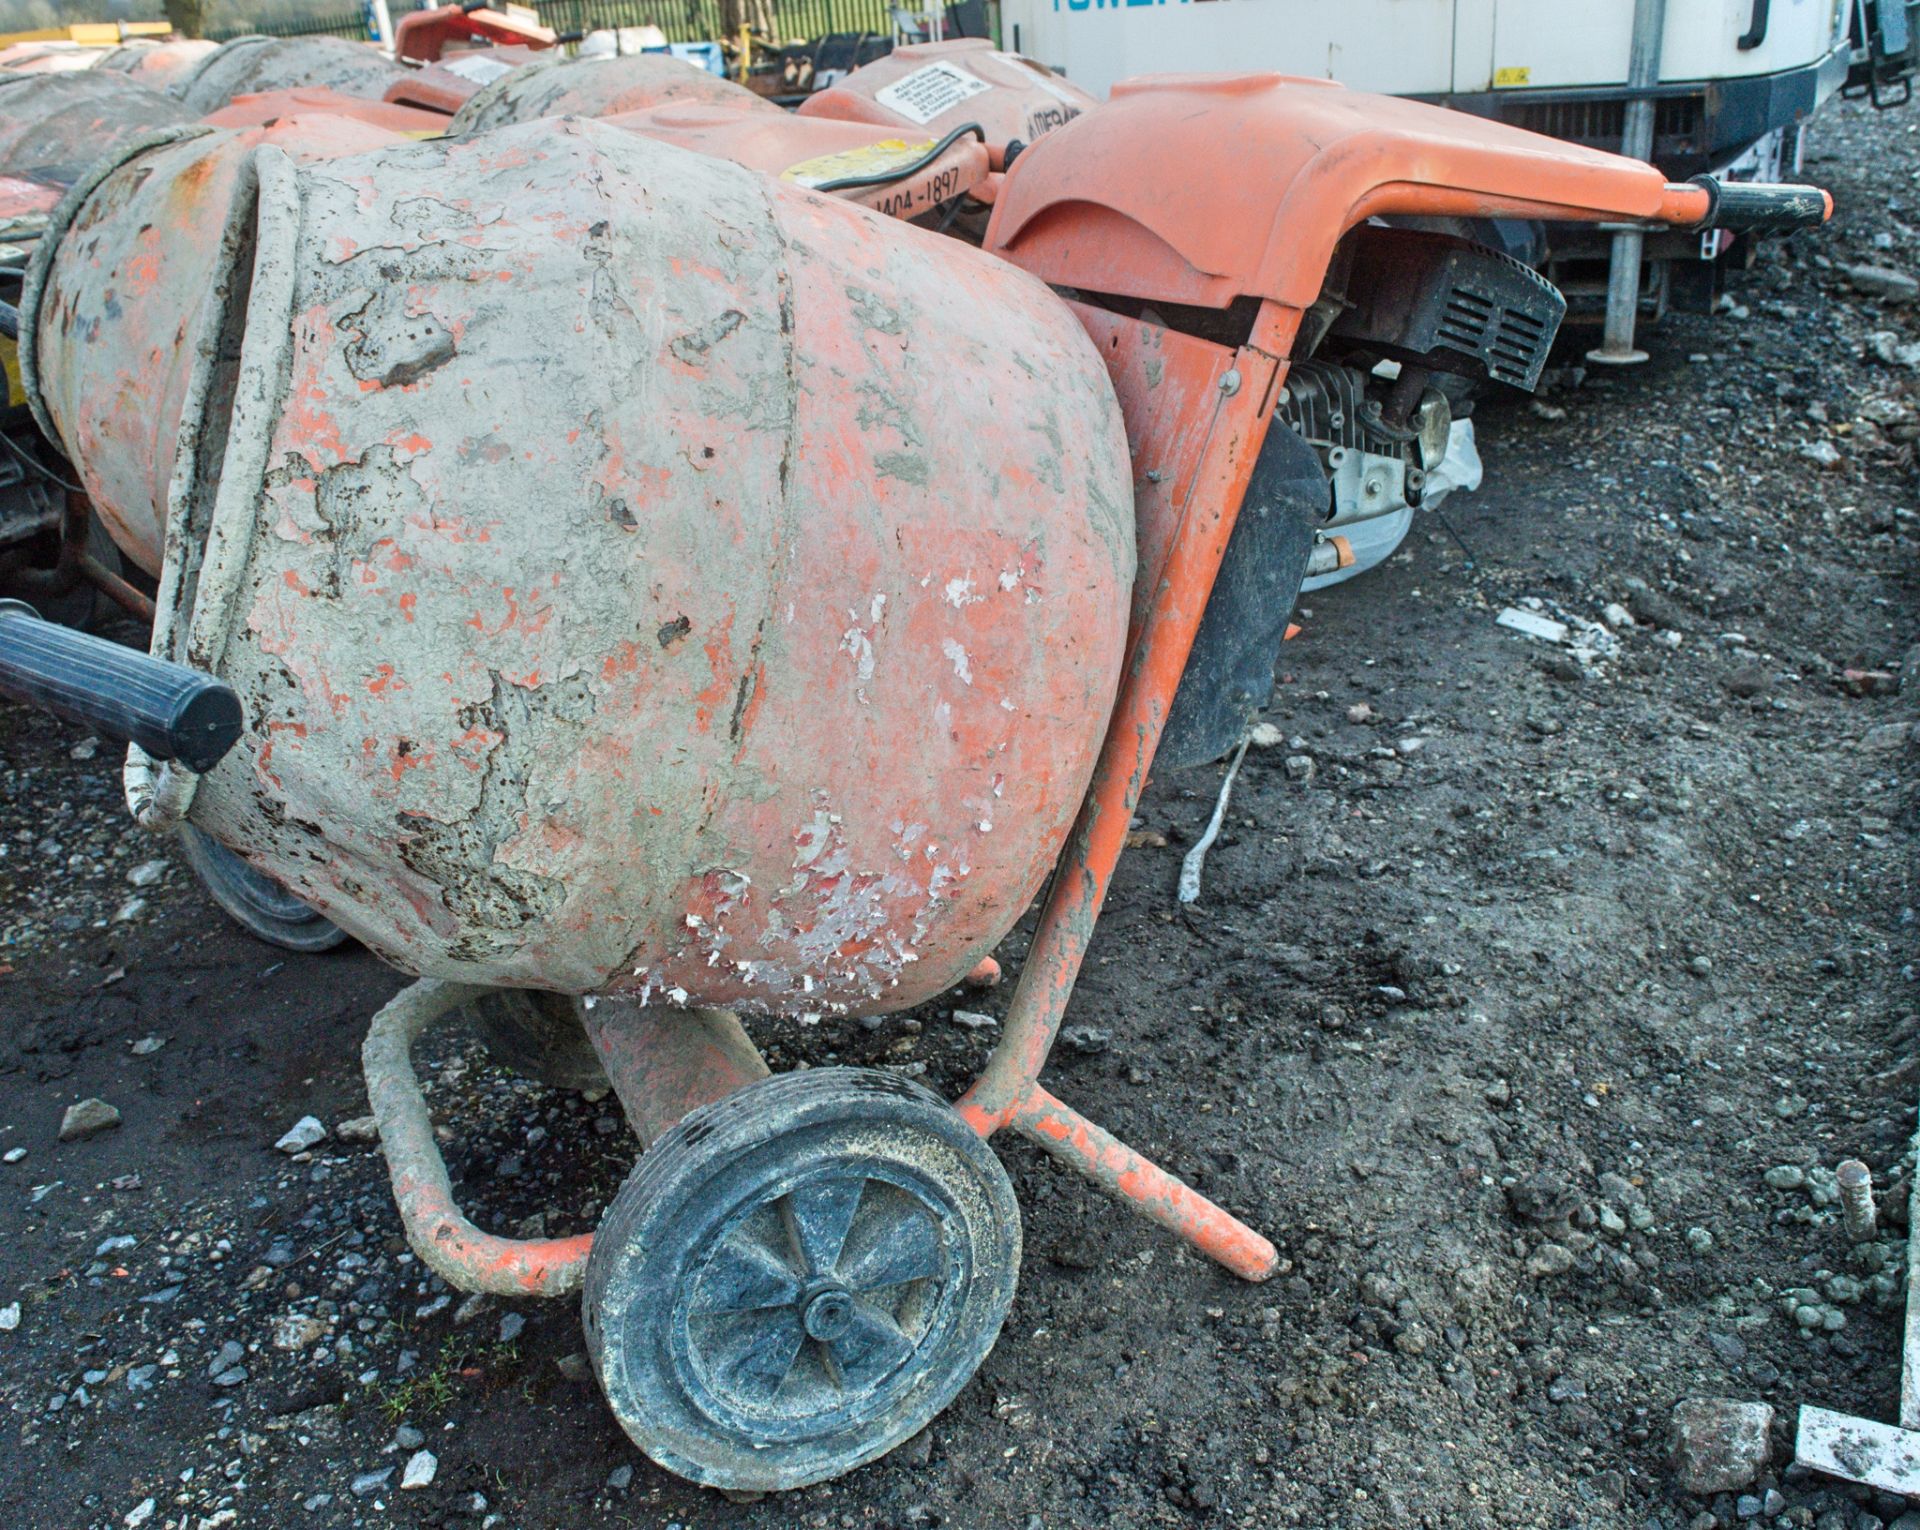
<point x="1885" y="1456"/>
<point x="1543" y="627"/>
<point x="1196" y="858"/>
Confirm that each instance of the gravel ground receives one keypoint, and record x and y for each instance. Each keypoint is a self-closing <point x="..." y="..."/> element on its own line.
<point x="1532" y="998"/>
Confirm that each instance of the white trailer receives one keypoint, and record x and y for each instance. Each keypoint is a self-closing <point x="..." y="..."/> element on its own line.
<point x="1760" y="54"/>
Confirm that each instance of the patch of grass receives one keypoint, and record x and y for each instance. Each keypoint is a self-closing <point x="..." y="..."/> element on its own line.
<point x="429" y="1389"/>
<point x="424" y="1393"/>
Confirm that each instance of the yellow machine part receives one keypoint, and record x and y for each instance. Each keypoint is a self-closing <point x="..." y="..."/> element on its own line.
<point x="90" y="34"/>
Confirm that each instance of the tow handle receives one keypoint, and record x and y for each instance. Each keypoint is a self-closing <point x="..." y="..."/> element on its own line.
<point x="172" y="712"/>
<point x="1758" y="207"/>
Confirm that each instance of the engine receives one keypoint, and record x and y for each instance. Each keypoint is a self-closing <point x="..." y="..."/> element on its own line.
<point x="1403" y="308"/>
<point x="1378" y="438"/>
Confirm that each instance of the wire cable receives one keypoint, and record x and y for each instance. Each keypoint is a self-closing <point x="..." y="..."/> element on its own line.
<point x="888" y="177"/>
<point x="33" y="465"/>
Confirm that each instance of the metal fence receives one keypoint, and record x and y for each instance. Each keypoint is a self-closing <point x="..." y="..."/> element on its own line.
<point x="344" y="23"/>
<point x="697" y="20"/>
<point x="680" y="20"/>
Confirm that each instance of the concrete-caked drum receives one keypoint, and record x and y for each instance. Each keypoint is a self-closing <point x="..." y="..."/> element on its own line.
<point x="156" y="64"/>
<point x="53" y="126"/>
<point x="598" y="87"/>
<point x="250" y="65"/>
<point x="645" y="576"/>
<point x="116" y="297"/>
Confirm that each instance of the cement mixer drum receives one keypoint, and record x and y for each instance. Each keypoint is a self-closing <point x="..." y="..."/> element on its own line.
<point x="643" y="576"/>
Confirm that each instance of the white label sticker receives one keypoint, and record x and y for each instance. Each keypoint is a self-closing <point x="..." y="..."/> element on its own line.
<point x="476" y="67"/>
<point x="926" y="93"/>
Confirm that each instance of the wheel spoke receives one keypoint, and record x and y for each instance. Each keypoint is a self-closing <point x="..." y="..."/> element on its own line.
<point x="750" y="1352"/>
<point x="743" y="1276"/>
<point x="810" y="1385"/>
<point x="818" y="1216"/>
<point x="890" y="1251"/>
<point x="872" y="1349"/>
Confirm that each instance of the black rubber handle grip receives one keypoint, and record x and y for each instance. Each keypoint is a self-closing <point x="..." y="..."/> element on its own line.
<point x="172" y="712"/>
<point x="1757" y="207"/>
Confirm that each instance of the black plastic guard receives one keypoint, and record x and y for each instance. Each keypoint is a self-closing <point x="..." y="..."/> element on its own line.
<point x="1229" y="674"/>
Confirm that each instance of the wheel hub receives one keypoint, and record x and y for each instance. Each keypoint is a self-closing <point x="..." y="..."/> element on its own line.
<point x="815" y="1299"/>
<point x="828" y="1314"/>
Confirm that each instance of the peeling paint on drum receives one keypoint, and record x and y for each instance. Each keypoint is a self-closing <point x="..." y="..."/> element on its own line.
<point x="662" y="579"/>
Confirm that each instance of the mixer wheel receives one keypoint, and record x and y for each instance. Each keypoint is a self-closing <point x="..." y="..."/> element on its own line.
<point x="254" y="901"/>
<point x="537" y="1035"/>
<point x="796" y="1278"/>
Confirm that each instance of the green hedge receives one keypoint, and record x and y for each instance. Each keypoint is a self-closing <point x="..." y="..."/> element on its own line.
<point x="341" y="24"/>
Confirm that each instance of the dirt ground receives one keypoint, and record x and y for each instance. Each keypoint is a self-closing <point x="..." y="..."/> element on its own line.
<point x="1517" y="1011"/>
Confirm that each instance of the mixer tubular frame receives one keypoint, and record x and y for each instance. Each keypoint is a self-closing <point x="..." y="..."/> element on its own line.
<point x="1196" y="413"/>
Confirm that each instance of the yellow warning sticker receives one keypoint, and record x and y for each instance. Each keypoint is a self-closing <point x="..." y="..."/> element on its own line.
<point x="888" y="156"/>
<point x="1513" y="74"/>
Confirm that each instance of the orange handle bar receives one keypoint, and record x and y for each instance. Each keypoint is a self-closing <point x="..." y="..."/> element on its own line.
<point x="1754" y="207"/>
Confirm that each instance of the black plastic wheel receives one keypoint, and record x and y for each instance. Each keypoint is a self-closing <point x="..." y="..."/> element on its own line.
<point x="254" y="901"/>
<point x="537" y="1035"/>
<point x="797" y="1278"/>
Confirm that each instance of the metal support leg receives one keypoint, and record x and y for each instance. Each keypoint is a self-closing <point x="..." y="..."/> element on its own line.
<point x="1008" y="1092"/>
<point x="1616" y="348"/>
<point x="450" y="1245"/>
<point x="1623" y="269"/>
<point x="1092" y="1150"/>
<point x="664" y="1062"/>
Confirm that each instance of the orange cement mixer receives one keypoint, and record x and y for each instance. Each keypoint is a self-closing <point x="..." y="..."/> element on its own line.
<point x="628" y="590"/>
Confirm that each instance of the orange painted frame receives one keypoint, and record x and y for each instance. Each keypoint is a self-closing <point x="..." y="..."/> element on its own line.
<point x="1119" y="202"/>
<point x="421" y="37"/>
<point x="1197" y="498"/>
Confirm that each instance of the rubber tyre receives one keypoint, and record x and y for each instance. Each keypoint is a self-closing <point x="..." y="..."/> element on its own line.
<point x="254" y="901"/>
<point x="795" y="1279"/>
<point x="537" y="1035"/>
